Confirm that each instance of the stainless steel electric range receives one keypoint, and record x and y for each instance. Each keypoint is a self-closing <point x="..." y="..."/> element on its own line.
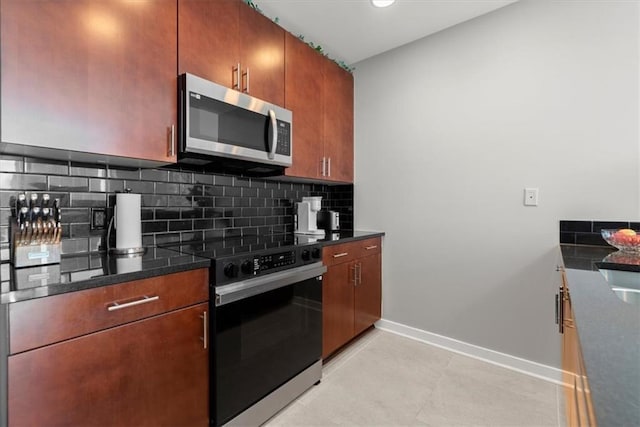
<point x="266" y="300"/>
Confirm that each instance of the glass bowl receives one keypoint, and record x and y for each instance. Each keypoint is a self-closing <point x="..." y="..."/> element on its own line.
<point x="625" y="239"/>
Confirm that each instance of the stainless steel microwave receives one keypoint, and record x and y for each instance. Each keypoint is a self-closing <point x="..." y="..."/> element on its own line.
<point x="231" y="129"/>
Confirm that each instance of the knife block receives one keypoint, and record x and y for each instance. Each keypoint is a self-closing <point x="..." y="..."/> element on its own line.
<point x="35" y="248"/>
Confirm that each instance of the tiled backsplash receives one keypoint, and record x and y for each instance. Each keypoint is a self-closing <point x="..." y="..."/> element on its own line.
<point x="177" y="204"/>
<point x="588" y="232"/>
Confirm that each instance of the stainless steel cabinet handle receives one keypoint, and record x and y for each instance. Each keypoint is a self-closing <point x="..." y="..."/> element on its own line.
<point x="323" y="166"/>
<point x="341" y="254"/>
<point x="371" y="247"/>
<point x="172" y="141"/>
<point x="205" y="337"/>
<point x="236" y="84"/>
<point x="145" y="299"/>
<point x="359" y="270"/>
<point x="329" y="166"/>
<point x="354" y="269"/>
<point x="246" y="74"/>
<point x="274" y="135"/>
<point x="561" y="311"/>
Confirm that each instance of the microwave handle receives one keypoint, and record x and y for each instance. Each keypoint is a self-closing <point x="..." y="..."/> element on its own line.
<point x="273" y="137"/>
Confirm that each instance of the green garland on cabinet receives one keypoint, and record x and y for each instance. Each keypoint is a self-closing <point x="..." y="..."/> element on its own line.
<point x="314" y="46"/>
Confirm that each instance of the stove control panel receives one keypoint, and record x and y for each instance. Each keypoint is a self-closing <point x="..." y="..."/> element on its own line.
<point x="242" y="267"/>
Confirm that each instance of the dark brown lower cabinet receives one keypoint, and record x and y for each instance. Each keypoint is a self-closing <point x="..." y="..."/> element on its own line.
<point x="152" y="372"/>
<point x="351" y="291"/>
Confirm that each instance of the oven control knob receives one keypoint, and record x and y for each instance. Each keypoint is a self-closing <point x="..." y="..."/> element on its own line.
<point x="231" y="270"/>
<point x="316" y="253"/>
<point x="306" y="255"/>
<point x="247" y="267"/>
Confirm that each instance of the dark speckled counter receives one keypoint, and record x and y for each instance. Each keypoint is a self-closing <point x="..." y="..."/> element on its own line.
<point x="609" y="332"/>
<point x="78" y="272"/>
<point x="345" y="236"/>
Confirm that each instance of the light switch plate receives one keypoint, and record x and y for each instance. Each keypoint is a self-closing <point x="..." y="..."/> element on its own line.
<point x="531" y="197"/>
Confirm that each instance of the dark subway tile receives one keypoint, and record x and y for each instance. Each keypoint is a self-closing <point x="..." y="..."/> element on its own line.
<point x="154" y="226"/>
<point x="222" y="180"/>
<point x="600" y="225"/>
<point x="201" y="224"/>
<point x="18" y="182"/>
<point x="11" y="163"/>
<point x="180" y="225"/>
<point x="241" y="202"/>
<point x="271" y="220"/>
<point x="233" y="232"/>
<point x="581" y="226"/>
<point x="249" y="192"/>
<point x="232" y="191"/>
<point x="5" y="216"/>
<point x="590" y="239"/>
<point x="140" y="187"/>
<point x="233" y="212"/>
<point x="49" y="167"/>
<point x="165" y="238"/>
<point x="257" y="221"/>
<point x="266" y="193"/>
<point x="123" y="173"/>
<point x="74" y="246"/>
<point x="96" y="243"/>
<point x="192" y="213"/>
<point x="191" y="235"/>
<point x="156" y="175"/>
<point x="567" y="237"/>
<point x="249" y="211"/>
<point x="167" y="188"/>
<point x="213" y="190"/>
<point x="79" y="230"/>
<point x="200" y="178"/>
<point x="241" y="222"/>
<point x="179" y="201"/>
<point x="223" y="202"/>
<point x="146" y="214"/>
<point x="634" y="226"/>
<point x="203" y="201"/>
<point x="191" y="189"/>
<point x="258" y="202"/>
<point x="167" y="213"/>
<point x="271" y="184"/>
<point x="149" y="200"/>
<point x="279" y="193"/>
<point x="78" y="200"/>
<point x="75" y="215"/>
<point x="88" y="170"/>
<point x="213" y="212"/>
<point x="148" y="240"/>
<point x="241" y="181"/>
<point x="66" y="183"/>
<point x="265" y="211"/>
<point x="222" y="223"/>
<point x="213" y="234"/>
<point x="181" y="177"/>
<point x="98" y="185"/>
<point x="4" y="234"/>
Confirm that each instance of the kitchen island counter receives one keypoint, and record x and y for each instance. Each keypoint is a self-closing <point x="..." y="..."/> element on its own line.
<point x="609" y="334"/>
<point x="90" y="270"/>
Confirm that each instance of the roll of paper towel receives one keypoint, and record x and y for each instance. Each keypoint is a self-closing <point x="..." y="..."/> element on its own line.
<point x="127" y="223"/>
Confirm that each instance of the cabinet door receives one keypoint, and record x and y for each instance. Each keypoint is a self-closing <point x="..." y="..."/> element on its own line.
<point x="303" y="96"/>
<point x="95" y="76"/>
<point x="208" y="43"/>
<point x="368" y="293"/>
<point x="262" y="56"/>
<point x="147" y="373"/>
<point x="338" y="122"/>
<point x="337" y="307"/>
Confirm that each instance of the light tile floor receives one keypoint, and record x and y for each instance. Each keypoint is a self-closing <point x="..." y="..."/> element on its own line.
<point x="388" y="380"/>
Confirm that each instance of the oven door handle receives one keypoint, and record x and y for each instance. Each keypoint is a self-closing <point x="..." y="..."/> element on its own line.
<point x="247" y="288"/>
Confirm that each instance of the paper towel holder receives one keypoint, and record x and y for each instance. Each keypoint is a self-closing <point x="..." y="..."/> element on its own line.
<point x="126" y="252"/>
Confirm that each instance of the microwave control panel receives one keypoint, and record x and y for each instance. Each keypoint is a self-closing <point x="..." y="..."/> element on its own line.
<point x="284" y="138"/>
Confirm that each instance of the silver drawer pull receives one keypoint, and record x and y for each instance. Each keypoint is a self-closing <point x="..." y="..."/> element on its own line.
<point x="145" y="299"/>
<point x="340" y="254"/>
<point x="371" y="247"/>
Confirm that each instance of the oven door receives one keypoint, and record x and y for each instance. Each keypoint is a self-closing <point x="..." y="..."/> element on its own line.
<point x="267" y="331"/>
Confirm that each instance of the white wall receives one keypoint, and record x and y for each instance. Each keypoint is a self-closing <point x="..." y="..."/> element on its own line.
<point x="450" y="130"/>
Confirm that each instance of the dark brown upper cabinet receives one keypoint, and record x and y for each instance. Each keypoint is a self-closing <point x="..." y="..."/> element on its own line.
<point x="89" y="76"/>
<point x="229" y="43"/>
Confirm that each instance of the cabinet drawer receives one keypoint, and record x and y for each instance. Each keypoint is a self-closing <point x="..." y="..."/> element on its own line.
<point x="344" y="252"/>
<point x="51" y="319"/>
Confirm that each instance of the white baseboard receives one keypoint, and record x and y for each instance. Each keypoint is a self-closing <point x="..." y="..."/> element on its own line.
<point x="514" y="363"/>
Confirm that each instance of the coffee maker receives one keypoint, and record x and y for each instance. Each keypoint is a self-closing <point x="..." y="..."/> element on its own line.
<point x="308" y="216"/>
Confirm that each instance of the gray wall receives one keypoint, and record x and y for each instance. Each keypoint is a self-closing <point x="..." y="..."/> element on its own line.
<point x="450" y="130"/>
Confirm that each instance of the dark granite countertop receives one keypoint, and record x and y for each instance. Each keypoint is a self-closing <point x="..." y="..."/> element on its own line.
<point x="608" y="330"/>
<point x="78" y="272"/>
<point x="345" y="236"/>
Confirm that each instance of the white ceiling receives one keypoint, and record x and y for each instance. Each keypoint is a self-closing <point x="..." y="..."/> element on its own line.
<point x="353" y="30"/>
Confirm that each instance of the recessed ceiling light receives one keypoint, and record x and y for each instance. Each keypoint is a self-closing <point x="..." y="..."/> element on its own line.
<point x="382" y="3"/>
